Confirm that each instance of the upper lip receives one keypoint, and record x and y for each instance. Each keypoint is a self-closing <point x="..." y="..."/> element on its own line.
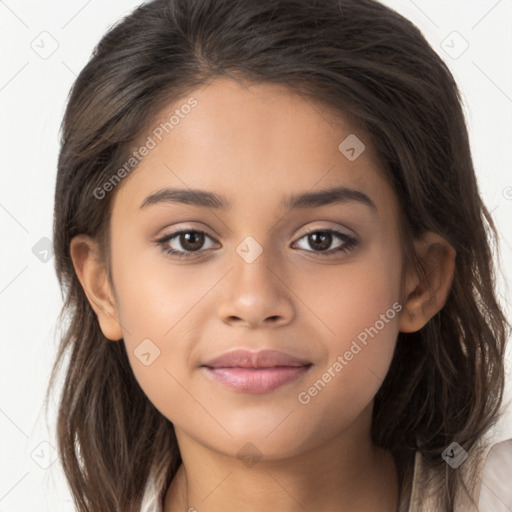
<point x="261" y="359"/>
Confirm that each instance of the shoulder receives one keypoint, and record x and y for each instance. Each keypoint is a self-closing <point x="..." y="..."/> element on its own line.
<point x="496" y="478"/>
<point x="486" y="469"/>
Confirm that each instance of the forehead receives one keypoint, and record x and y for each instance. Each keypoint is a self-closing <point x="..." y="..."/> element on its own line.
<point x="254" y="143"/>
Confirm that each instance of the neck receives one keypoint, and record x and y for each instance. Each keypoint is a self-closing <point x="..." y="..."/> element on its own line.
<point x="346" y="474"/>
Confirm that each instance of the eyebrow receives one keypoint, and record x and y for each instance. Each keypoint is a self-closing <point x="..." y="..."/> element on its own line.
<point x="316" y="198"/>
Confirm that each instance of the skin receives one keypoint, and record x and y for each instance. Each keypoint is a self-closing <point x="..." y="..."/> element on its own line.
<point x="256" y="144"/>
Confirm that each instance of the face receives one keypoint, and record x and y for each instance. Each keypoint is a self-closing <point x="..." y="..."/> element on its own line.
<point x="318" y="280"/>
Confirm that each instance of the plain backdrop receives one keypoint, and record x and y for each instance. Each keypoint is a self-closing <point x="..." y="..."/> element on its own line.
<point x="44" y="47"/>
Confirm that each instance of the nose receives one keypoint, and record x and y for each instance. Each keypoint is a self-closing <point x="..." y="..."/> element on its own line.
<point x="256" y="295"/>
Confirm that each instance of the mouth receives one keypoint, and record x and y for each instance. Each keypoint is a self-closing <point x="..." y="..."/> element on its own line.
<point x="259" y="372"/>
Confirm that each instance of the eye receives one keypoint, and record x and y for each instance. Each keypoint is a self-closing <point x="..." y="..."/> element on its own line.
<point x="321" y="239"/>
<point x="184" y="242"/>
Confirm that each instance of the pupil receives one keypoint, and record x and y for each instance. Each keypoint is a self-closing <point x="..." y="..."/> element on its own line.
<point x="325" y="240"/>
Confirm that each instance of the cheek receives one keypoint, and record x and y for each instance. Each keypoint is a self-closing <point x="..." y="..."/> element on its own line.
<point x="358" y="359"/>
<point x="146" y="314"/>
<point x="159" y="306"/>
<point x="360" y="306"/>
<point x="355" y="295"/>
<point x="154" y="293"/>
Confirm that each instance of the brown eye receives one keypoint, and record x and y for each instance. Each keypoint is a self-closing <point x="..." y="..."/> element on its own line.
<point x="321" y="239"/>
<point x="191" y="240"/>
<point x="184" y="242"/>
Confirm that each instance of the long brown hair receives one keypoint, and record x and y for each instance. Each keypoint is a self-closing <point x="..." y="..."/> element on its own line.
<point x="374" y="67"/>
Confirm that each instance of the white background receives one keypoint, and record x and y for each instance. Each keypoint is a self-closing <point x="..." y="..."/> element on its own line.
<point x="33" y="93"/>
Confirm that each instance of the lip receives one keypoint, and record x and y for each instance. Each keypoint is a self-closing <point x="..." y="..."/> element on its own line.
<point x="261" y="359"/>
<point x="256" y="372"/>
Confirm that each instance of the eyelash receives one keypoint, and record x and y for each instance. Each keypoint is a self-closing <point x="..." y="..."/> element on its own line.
<point x="349" y="243"/>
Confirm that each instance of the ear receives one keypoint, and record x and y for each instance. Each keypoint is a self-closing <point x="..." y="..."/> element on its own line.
<point x="424" y="299"/>
<point x="92" y="274"/>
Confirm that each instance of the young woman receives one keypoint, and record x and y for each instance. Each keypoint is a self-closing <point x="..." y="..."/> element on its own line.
<point x="277" y="268"/>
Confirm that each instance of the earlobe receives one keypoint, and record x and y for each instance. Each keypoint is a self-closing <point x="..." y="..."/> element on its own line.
<point x="424" y="299"/>
<point x="92" y="274"/>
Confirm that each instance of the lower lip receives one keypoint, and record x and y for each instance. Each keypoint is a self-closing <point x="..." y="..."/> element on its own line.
<point x="256" y="380"/>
